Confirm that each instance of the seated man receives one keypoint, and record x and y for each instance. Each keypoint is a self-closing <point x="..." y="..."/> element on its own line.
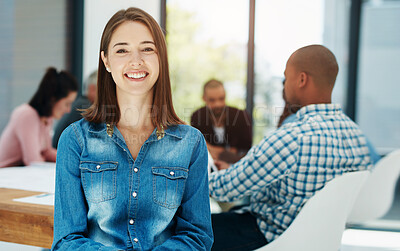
<point x="227" y="130"/>
<point x="286" y="168"/>
<point x="289" y="115"/>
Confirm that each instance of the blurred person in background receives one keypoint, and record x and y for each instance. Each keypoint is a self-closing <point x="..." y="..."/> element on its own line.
<point x="227" y="130"/>
<point x="27" y="138"/>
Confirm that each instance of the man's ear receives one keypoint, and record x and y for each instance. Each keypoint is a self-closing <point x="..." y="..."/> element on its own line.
<point x="303" y="79"/>
<point x="104" y="59"/>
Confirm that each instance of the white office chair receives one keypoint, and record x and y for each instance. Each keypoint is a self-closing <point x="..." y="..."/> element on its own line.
<point x="377" y="194"/>
<point x="321" y="222"/>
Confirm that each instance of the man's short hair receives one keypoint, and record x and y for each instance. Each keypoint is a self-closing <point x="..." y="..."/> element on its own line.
<point x="212" y="83"/>
<point x="319" y="62"/>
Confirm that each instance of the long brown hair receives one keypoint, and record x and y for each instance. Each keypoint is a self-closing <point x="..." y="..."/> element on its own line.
<point x="105" y="108"/>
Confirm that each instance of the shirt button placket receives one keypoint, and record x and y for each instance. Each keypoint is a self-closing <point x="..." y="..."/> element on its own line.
<point x="134" y="195"/>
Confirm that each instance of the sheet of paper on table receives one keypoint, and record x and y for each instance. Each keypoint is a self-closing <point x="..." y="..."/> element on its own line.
<point x="36" y="177"/>
<point x="42" y="199"/>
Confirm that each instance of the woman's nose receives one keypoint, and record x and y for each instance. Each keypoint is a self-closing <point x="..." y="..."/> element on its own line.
<point x="136" y="59"/>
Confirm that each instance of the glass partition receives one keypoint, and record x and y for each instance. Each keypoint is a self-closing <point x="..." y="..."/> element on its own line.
<point x="378" y="103"/>
<point x="281" y="27"/>
<point x="203" y="43"/>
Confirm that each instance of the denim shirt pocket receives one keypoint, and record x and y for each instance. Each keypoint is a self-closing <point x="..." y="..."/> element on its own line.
<point x="169" y="185"/>
<point x="99" y="180"/>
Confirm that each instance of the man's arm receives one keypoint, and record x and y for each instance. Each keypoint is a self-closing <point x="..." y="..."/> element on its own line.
<point x="266" y="162"/>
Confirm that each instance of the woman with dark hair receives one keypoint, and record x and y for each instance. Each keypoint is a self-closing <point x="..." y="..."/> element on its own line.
<point x="27" y="138"/>
<point x="131" y="175"/>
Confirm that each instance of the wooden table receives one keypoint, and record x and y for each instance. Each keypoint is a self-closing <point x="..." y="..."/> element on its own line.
<point x="25" y="223"/>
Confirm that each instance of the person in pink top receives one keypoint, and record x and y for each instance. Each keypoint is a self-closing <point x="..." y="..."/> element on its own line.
<point x="27" y="138"/>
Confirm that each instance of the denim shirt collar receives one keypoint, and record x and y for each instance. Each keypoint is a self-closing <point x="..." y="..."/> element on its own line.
<point x="172" y="131"/>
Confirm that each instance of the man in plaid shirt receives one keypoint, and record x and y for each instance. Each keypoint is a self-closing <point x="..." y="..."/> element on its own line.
<point x="287" y="167"/>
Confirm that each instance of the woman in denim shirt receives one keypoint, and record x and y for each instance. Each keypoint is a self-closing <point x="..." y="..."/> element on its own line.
<point x="131" y="175"/>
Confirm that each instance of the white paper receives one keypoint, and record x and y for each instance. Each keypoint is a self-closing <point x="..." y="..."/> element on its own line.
<point x="41" y="199"/>
<point x="37" y="177"/>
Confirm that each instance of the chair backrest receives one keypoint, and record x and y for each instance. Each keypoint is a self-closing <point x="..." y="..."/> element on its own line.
<point x="377" y="194"/>
<point x="321" y="222"/>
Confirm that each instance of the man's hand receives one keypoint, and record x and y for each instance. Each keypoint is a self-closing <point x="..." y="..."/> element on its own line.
<point x="221" y="165"/>
<point x="215" y="151"/>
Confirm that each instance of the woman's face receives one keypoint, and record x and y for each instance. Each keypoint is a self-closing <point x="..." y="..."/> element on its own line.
<point x="132" y="59"/>
<point x="63" y="105"/>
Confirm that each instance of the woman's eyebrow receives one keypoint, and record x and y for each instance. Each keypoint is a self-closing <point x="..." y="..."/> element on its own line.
<point x="125" y="43"/>
<point x="122" y="43"/>
<point x="147" y="42"/>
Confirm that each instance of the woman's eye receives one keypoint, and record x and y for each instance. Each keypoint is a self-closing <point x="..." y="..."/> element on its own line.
<point x="148" y="49"/>
<point x="121" y="51"/>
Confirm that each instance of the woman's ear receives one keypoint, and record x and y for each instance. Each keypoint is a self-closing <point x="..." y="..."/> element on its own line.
<point x="105" y="61"/>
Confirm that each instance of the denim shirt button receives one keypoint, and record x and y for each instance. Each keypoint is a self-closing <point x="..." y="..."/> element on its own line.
<point x="135" y="240"/>
<point x="135" y="170"/>
<point x="98" y="166"/>
<point x="171" y="173"/>
<point x="134" y="194"/>
<point x="131" y="221"/>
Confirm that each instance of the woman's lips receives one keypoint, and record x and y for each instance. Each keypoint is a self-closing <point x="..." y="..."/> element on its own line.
<point x="136" y="75"/>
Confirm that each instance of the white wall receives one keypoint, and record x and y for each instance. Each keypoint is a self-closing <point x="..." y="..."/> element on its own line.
<point x="96" y="15"/>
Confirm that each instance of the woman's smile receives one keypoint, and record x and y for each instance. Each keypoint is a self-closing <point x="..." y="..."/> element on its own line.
<point x="136" y="76"/>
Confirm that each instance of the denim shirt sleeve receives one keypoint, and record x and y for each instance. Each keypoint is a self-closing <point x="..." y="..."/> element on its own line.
<point x="70" y="208"/>
<point x="193" y="229"/>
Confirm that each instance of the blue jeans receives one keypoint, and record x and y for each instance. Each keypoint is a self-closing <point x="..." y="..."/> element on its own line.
<point x="233" y="231"/>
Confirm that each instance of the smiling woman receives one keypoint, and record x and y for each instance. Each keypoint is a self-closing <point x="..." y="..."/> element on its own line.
<point x="132" y="164"/>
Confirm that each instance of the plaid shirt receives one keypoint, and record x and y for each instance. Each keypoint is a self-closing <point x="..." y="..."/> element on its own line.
<point x="286" y="168"/>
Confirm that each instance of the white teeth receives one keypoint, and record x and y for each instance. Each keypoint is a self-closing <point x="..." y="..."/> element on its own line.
<point x="136" y="75"/>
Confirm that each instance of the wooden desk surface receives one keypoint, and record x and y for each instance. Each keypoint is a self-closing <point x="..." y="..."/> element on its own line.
<point x="25" y="223"/>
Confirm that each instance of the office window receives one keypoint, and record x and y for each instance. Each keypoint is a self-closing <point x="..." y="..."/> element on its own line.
<point x="203" y="43"/>
<point x="378" y="103"/>
<point x="281" y="27"/>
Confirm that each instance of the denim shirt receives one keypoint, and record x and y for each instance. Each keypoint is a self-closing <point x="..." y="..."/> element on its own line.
<point x="106" y="200"/>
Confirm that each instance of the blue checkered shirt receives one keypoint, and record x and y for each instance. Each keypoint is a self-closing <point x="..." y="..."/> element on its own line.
<point x="287" y="167"/>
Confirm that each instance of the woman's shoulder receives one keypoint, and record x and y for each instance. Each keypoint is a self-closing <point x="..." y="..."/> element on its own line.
<point x="25" y="110"/>
<point x="88" y="126"/>
<point x="81" y="125"/>
<point x="184" y="131"/>
<point x="24" y="114"/>
<point x="76" y="131"/>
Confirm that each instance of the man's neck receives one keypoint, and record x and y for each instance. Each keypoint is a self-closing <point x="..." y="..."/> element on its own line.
<point x="218" y="121"/>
